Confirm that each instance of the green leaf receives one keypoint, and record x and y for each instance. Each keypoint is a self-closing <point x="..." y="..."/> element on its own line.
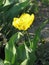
<point x="10" y="50"/>
<point x="9" y="2"/>
<point x="32" y="58"/>
<point x="1" y="2"/>
<point x="17" y="8"/>
<point x="24" y="62"/>
<point x="6" y="63"/>
<point x="37" y="36"/>
<point x="5" y="8"/>
<point x="22" y="1"/>
<point x="21" y="53"/>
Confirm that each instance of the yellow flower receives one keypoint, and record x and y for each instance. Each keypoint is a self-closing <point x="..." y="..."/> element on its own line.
<point x="23" y="22"/>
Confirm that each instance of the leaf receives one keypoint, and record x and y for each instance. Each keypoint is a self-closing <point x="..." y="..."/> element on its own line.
<point x="17" y="8"/>
<point x="9" y="2"/>
<point x="22" y="1"/>
<point x="1" y="2"/>
<point x="37" y="35"/>
<point x="24" y="54"/>
<point x="10" y="50"/>
<point x="24" y="62"/>
<point x="5" y="8"/>
<point x="21" y="53"/>
<point x="7" y="63"/>
<point x="32" y="58"/>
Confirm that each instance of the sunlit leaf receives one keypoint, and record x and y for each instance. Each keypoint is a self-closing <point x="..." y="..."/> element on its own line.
<point x="10" y="50"/>
<point x="24" y="62"/>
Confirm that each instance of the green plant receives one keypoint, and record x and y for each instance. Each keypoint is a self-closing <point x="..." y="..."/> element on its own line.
<point x="17" y="51"/>
<point x="12" y="8"/>
<point x="8" y="10"/>
<point x="24" y="54"/>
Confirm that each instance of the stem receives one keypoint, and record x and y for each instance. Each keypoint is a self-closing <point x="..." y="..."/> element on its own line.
<point x="29" y="39"/>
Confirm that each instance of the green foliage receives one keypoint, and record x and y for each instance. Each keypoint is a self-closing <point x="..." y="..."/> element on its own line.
<point x="37" y="35"/>
<point x="24" y="62"/>
<point x="10" y="50"/>
<point x="24" y="54"/>
<point x="8" y="11"/>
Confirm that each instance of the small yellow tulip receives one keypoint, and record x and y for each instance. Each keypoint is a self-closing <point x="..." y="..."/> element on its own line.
<point x="23" y="22"/>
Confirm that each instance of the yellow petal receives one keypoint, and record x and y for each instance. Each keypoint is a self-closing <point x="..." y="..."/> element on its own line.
<point x="23" y="22"/>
